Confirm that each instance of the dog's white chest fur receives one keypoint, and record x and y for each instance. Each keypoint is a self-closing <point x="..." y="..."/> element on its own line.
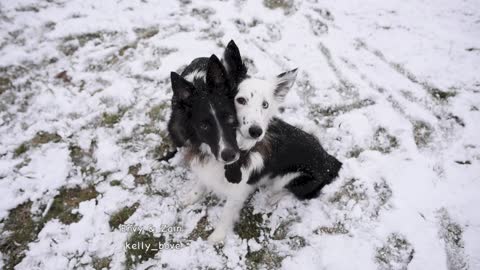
<point x="211" y="174"/>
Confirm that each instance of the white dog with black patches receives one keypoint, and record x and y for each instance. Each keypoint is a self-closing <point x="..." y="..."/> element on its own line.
<point x="272" y="151"/>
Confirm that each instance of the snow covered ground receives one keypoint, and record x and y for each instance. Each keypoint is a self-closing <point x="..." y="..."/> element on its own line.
<point x="392" y="88"/>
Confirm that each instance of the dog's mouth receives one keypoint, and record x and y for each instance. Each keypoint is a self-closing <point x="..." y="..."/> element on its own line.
<point x="246" y="142"/>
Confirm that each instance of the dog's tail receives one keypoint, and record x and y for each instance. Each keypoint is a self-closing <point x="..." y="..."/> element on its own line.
<point x="308" y="186"/>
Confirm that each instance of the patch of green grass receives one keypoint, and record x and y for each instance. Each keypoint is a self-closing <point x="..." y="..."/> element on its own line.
<point x="115" y="183"/>
<point x="158" y="112"/>
<point x="355" y="152"/>
<point x="281" y="231"/>
<point x="83" y="158"/>
<point x="384" y="142"/>
<point x="68" y="200"/>
<point x="5" y="84"/>
<point x="286" y="5"/>
<point x="396" y="253"/>
<point x="203" y="13"/>
<point x="422" y="133"/>
<point x="84" y="38"/>
<point x="442" y="95"/>
<point x="349" y="191"/>
<point x="451" y="231"/>
<point x="29" y="8"/>
<point x="40" y="138"/>
<point x="340" y="109"/>
<point x="140" y="179"/>
<point x="336" y="228"/>
<point x="45" y="137"/>
<point x="22" y="229"/>
<point x="123" y="215"/>
<point x="20" y="150"/>
<point x="101" y="263"/>
<point x="210" y="200"/>
<point x="250" y="225"/>
<point x="71" y="44"/>
<point x="202" y="230"/>
<point x="296" y="242"/>
<point x="135" y="256"/>
<point x="264" y="258"/>
<point x="110" y="119"/>
<point x="452" y="234"/>
<point x="125" y="48"/>
<point x="145" y="33"/>
<point x="384" y="191"/>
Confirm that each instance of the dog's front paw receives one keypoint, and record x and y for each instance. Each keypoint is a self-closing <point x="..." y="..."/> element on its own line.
<point x="217" y="236"/>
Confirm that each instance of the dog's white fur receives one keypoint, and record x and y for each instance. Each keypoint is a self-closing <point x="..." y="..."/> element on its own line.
<point x="210" y="174"/>
<point x="256" y="92"/>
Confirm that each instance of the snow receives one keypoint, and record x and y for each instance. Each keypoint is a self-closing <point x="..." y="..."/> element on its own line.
<point x="390" y="88"/>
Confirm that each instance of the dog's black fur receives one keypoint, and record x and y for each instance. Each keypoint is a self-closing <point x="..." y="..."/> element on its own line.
<point x="191" y="122"/>
<point x="294" y="150"/>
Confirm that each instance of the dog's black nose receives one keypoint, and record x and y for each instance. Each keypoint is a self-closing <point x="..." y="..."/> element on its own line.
<point x="255" y="131"/>
<point x="228" y="155"/>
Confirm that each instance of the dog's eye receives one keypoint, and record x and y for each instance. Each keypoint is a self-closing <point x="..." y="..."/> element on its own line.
<point x="241" y="101"/>
<point x="265" y="104"/>
<point x="204" y="126"/>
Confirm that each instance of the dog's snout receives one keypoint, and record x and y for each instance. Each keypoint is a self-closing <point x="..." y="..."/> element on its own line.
<point x="255" y="131"/>
<point x="228" y="155"/>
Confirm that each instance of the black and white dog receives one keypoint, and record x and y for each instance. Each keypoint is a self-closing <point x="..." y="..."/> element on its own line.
<point x="203" y="121"/>
<point x="272" y="150"/>
<point x="211" y="108"/>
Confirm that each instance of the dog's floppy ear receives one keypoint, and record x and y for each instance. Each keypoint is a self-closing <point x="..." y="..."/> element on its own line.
<point x="182" y="89"/>
<point x="233" y="62"/>
<point x="216" y="77"/>
<point x="284" y="82"/>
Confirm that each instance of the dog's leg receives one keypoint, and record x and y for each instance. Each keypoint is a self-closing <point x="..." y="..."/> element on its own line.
<point x="194" y="195"/>
<point x="230" y="214"/>
<point x="278" y="187"/>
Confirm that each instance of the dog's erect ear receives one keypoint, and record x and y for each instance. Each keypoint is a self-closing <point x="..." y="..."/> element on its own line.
<point x="182" y="89"/>
<point x="284" y="83"/>
<point x="216" y="74"/>
<point x="233" y="63"/>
